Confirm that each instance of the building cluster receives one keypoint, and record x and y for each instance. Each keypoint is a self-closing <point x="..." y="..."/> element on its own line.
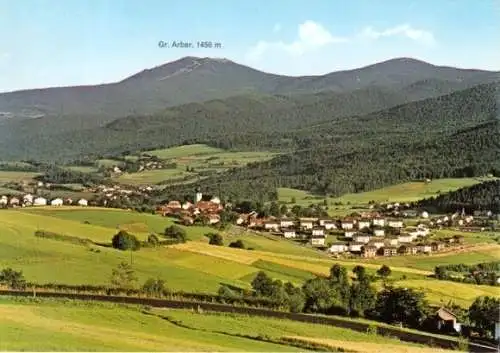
<point x="188" y="213"/>
<point x="368" y="235"/>
<point x="31" y="200"/>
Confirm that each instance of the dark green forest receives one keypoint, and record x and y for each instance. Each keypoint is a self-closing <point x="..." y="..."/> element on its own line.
<point x="457" y="135"/>
<point x="484" y="196"/>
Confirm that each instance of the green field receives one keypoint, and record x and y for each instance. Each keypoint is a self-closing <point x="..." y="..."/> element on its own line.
<point x="194" y="266"/>
<point x="55" y="325"/>
<point x="406" y="192"/>
<point x="200" y="157"/>
<point x="6" y="177"/>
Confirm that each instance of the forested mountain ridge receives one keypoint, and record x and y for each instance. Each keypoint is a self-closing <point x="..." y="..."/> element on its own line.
<point x="36" y="118"/>
<point x="483" y="196"/>
<point x="457" y="135"/>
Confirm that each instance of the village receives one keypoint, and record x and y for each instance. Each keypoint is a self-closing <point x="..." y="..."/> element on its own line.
<point x="386" y="232"/>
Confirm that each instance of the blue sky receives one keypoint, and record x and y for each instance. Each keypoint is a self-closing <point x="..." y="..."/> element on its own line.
<point x="71" y="42"/>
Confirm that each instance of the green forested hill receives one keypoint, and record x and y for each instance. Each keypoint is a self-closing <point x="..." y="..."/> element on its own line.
<point x="483" y="196"/>
<point x="456" y="135"/>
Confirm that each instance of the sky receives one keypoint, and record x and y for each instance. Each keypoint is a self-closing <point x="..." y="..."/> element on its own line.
<point x="69" y="42"/>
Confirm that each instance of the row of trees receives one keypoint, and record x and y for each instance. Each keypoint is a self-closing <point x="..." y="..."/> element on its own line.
<point x="339" y="294"/>
<point x="126" y="241"/>
<point x="483" y="273"/>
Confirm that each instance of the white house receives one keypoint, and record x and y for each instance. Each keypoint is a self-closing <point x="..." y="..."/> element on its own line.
<point x="4" y="200"/>
<point x="318" y="232"/>
<point x="347" y="225"/>
<point x="318" y="240"/>
<point x="289" y="233"/>
<point x="187" y="205"/>
<point x="14" y="201"/>
<point x="28" y="198"/>
<point x="361" y="238"/>
<point x="40" y="201"/>
<point x="355" y="247"/>
<point x="83" y="202"/>
<point x="424" y="214"/>
<point x="391" y="241"/>
<point x="405" y="238"/>
<point x="395" y="223"/>
<point x="424" y="248"/>
<point x="272" y="225"/>
<point x="322" y="221"/>
<point x="378" y="221"/>
<point x="286" y="222"/>
<point x="329" y="225"/>
<point x="363" y="224"/>
<point x="349" y="234"/>
<point x="306" y="223"/>
<point x="379" y="232"/>
<point x="56" y="202"/>
<point x="378" y="243"/>
<point x="337" y="248"/>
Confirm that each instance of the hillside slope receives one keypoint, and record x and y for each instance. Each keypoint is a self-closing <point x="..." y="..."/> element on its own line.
<point x="484" y="196"/>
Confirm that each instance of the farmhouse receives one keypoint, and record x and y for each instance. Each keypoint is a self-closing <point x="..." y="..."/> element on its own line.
<point x="272" y="225"/>
<point x="390" y="251"/>
<point x="349" y="234"/>
<point x="447" y="321"/>
<point x="329" y="225"/>
<point x="356" y="247"/>
<point x="407" y="249"/>
<point x="56" y="202"/>
<point x="187" y="205"/>
<point x="286" y="222"/>
<point x="405" y="238"/>
<point x="395" y="223"/>
<point x="306" y="223"/>
<point x="362" y="224"/>
<point x="361" y="238"/>
<point x="289" y="233"/>
<point x="318" y="231"/>
<point x="424" y="248"/>
<point x="437" y="246"/>
<point x="338" y="248"/>
<point x="377" y="242"/>
<point x="40" y="201"/>
<point x="378" y="221"/>
<point x="347" y="224"/>
<point x="368" y="251"/>
<point x="317" y="240"/>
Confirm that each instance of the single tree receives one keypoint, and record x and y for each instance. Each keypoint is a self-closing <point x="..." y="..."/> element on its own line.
<point x="384" y="271"/>
<point x="13" y="279"/>
<point x="176" y="232"/>
<point x="483" y="313"/>
<point x="262" y="284"/>
<point x="237" y="244"/>
<point x="125" y="241"/>
<point x="319" y="295"/>
<point x="215" y="239"/>
<point x="154" y="287"/>
<point x="123" y="276"/>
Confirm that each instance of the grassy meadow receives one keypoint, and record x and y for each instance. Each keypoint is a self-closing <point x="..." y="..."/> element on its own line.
<point x="55" y="325"/>
<point x="406" y="192"/>
<point x="197" y="158"/>
<point x="194" y="266"/>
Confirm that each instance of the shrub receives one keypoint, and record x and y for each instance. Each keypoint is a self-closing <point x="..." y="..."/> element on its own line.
<point x="125" y="241"/>
<point x="237" y="244"/>
<point x="215" y="239"/>
<point x="177" y="233"/>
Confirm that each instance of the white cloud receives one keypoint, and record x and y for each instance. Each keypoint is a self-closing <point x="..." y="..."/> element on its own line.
<point x="404" y="30"/>
<point x="277" y="28"/>
<point x="311" y="36"/>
